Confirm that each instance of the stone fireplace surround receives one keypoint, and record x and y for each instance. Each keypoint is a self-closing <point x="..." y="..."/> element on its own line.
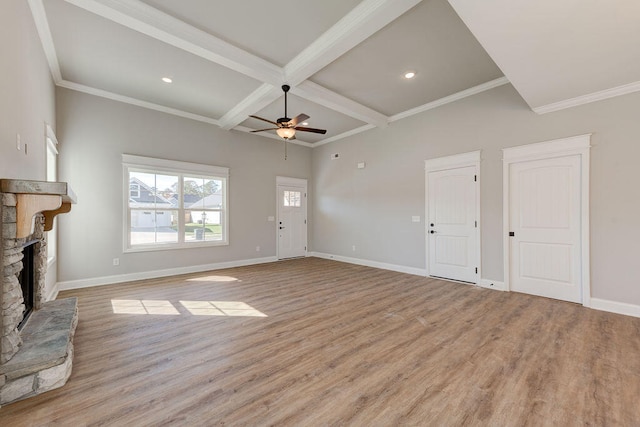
<point x="38" y="357"/>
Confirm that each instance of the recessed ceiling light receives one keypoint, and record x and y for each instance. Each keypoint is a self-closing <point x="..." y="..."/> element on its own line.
<point x="409" y="75"/>
<point x="167" y="80"/>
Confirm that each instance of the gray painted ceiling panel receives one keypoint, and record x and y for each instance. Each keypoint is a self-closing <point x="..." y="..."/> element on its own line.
<point x="430" y="40"/>
<point x="275" y="30"/>
<point x="102" y="54"/>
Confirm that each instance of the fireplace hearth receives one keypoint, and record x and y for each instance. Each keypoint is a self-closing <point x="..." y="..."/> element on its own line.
<point x="36" y="335"/>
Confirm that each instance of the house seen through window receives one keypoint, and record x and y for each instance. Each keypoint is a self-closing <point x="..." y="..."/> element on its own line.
<point x="177" y="208"/>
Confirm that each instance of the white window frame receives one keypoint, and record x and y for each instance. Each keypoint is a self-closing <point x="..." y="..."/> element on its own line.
<point x="182" y="169"/>
<point x="51" y="174"/>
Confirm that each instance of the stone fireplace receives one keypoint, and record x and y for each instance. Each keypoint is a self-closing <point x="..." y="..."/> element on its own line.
<point x="36" y="348"/>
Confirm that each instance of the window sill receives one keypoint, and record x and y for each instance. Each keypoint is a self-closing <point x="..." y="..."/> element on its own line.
<point x="172" y="247"/>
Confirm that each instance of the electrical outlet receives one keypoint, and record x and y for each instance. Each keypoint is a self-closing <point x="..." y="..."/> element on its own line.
<point x="18" y="142"/>
<point x="353" y="248"/>
<point x="257" y="248"/>
<point x="116" y="261"/>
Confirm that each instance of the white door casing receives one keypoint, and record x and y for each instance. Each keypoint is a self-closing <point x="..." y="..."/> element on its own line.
<point x="546" y="190"/>
<point x="291" y="223"/>
<point x="453" y="217"/>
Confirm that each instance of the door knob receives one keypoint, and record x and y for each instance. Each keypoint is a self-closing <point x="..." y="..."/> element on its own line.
<point x="281" y="228"/>
<point x="431" y="224"/>
<point x="432" y="231"/>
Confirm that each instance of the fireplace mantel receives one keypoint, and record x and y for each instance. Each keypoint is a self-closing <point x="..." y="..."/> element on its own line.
<point x="50" y="198"/>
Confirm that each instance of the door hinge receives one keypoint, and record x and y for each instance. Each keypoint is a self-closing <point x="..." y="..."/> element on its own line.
<point x="475" y="178"/>
<point x="305" y="248"/>
<point x="476" y="270"/>
<point x="476" y="224"/>
<point x="305" y="221"/>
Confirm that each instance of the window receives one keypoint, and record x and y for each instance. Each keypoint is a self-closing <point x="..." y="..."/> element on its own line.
<point x="52" y="176"/>
<point x="172" y="204"/>
<point x="292" y="198"/>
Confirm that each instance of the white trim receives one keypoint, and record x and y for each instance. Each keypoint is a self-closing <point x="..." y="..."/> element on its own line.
<point x="344" y="135"/>
<point x="292" y="182"/>
<point x="491" y="284"/>
<point x="588" y="98"/>
<point x="364" y="20"/>
<point x="301" y="184"/>
<point x="322" y="96"/>
<point x="615" y="307"/>
<point x="374" y="264"/>
<point x="152" y="22"/>
<point x="260" y="98"/>
<point x="137" y="102"/>
<point x="143" y="275"/>
<point x="575" y="145"/>
<point x="547" y="149"/>
<point x="456" y="161"/>
<point x="451" y="98"/>
<point x="174" y="165"/>
<point x="53" y="293"/>
<point x="44" y="31"/>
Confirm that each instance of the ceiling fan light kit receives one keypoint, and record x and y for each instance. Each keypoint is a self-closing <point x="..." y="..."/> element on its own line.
<point x="286" y="127"/>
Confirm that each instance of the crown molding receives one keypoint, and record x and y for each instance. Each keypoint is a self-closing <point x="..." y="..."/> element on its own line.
<point x="134" y="101"/>
<point x="44" y="31"/>
<point x="591" y="97"/>
<point x="344" y="135"/>
<point x="451" y="98"/>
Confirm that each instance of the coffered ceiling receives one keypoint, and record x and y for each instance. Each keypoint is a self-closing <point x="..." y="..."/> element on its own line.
<point x="344" y="59"/>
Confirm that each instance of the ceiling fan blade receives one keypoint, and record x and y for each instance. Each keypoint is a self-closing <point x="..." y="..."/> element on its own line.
<point x="264" y="120"/>
<point x="303" y="129"/>
<point x="262" y="130"/>
<point x="298" y="119"/>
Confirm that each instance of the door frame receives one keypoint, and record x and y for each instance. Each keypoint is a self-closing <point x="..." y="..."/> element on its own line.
<point x="575" y="145"/>
<point x="456" y="161"/>
<point x="300" y="183"/>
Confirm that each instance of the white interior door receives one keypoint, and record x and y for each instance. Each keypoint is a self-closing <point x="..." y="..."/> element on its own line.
<point x="545" y="224"/>
<point x="451" y="223"/>
<point x="292" y="221"/>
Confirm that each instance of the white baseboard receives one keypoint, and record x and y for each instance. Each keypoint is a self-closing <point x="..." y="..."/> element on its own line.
<point x="374" y="264"/>
<point x="491" y="284"/>
<point x="53" y="293"/>
<point x="130" y="277"/>
<point x="615" y="307"/>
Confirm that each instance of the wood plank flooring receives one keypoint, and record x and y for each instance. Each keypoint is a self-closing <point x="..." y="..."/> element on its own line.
<point x="340" y="345"/>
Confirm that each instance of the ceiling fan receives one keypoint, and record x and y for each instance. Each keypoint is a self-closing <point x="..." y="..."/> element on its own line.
<point x="286" y="127"/>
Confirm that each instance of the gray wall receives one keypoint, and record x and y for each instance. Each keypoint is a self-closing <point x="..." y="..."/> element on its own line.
<point x="372" y="207"/>
<point x="27" y="100"/>
<point x="95" y="132"/>
<point x="27" y="94"/>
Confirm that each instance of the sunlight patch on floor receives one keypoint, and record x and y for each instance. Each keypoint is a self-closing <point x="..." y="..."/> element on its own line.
<point x="196" y="308"/>
<point x="221" y="308"/>
<point x="213" y="279"/>
<point x="136" y="306"/>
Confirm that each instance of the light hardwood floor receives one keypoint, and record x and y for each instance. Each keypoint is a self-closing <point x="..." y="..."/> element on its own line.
<point x="340" y="345"/>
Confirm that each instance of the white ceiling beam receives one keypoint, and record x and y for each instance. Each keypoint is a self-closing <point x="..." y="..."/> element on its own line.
<point x="361" y="23"/>
<point x="44" y="31"/>
<point x="256" y="101"/>
<point x="320" y="95"/>
<point x="147" y="20"/>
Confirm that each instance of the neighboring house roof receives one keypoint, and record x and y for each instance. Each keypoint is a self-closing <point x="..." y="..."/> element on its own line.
<point x="146" y="197"/>
<point x="212" y="201"/>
